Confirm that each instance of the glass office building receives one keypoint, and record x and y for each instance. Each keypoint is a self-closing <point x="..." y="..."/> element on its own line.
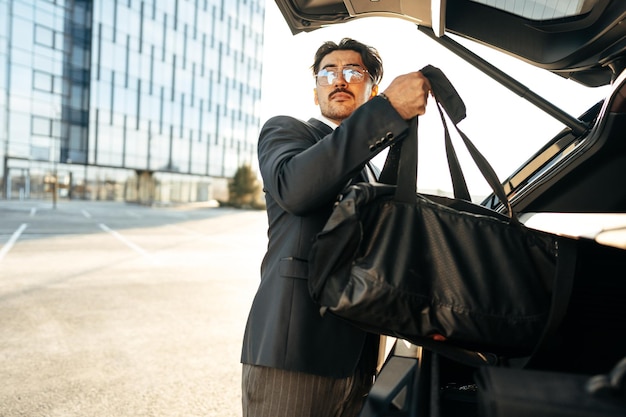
<point x="134" y="100"/>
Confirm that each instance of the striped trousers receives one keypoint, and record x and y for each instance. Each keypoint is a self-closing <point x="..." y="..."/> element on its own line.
<point x="269" y="392"/>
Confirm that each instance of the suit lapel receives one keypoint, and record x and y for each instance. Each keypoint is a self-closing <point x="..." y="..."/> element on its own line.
<point x="369" y="173"/>
<point x="321" y="126"/>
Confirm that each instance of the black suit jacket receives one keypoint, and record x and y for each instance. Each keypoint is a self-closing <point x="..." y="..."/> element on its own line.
<point x="304" y="166"/>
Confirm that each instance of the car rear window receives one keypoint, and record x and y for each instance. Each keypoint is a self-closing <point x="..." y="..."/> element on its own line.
<point x="542" y="9"/>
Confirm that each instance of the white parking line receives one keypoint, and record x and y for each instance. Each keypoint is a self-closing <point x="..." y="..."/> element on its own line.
<point x="127" y="242"/>
<point x="33" y="211"/>
<point x="86" y="214"/>
<point x="7" y="246"/>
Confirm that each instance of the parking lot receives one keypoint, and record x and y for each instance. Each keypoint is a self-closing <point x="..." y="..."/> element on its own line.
<point x="110" y="309"/>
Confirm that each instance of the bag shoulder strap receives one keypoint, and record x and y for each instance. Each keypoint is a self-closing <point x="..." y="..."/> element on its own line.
<point x="561" y="292"/>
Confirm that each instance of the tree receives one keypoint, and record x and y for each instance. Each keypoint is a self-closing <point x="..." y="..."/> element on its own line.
<point x="244" y="190"/>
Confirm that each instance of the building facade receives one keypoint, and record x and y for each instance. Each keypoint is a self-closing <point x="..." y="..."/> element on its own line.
<point x="135" y="100"/>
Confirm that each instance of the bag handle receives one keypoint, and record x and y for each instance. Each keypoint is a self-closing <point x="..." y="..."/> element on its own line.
<point x="483" y="165"/>
<point x="459" y="186"/>
<point x="400" y="167"/>
<point x="390" y="173"/>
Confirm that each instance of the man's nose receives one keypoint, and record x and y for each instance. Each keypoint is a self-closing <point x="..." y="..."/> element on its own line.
<point x="340" y="80"/>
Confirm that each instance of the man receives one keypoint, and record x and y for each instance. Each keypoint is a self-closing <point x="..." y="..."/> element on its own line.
<point x="297" y="363"/>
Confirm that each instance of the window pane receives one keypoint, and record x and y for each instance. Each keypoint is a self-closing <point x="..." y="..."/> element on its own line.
<point x="42" y="81"/>
<point x="44" y="36"/>
<point x="40" y="126"/>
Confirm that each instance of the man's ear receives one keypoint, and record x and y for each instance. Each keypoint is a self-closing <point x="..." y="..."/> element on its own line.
<point x="374" y="91"/>
<point x="315" y="97"/>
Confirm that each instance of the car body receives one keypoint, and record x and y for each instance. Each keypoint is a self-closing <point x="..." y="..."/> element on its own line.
<point x="573" y="185"/>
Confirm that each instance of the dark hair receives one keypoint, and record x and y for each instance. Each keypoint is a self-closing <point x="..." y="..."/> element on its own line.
<point x="371" y="59"/>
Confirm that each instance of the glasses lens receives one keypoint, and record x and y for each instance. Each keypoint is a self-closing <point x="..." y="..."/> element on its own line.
<point x="353" y="75"/>
<point x="327" y="76"/>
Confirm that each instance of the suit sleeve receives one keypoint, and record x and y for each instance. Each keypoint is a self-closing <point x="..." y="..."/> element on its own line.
<point x="303" y="173"/>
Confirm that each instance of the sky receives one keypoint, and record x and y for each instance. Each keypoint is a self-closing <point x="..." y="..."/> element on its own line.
<point x="507" y="129"/>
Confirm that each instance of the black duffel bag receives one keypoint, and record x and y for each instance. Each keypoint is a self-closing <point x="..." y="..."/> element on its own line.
<point x="427" y="268"/>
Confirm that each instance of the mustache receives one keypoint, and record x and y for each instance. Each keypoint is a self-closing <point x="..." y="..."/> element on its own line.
<point x="340" y="90"/>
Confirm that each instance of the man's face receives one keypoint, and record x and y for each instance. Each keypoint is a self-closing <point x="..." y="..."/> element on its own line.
<point x="340" y="98"/>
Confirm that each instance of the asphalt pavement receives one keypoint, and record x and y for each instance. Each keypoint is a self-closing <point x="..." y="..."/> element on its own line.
<point x="111" y="309"/>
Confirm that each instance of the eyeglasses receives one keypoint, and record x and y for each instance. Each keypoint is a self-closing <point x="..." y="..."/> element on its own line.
<point x="353" y="75"/>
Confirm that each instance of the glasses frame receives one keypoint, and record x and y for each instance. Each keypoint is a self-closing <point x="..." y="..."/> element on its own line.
<point x="325" y="73"/>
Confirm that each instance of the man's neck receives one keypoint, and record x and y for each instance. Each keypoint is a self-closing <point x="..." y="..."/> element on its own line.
<point x="333" y="125"/>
